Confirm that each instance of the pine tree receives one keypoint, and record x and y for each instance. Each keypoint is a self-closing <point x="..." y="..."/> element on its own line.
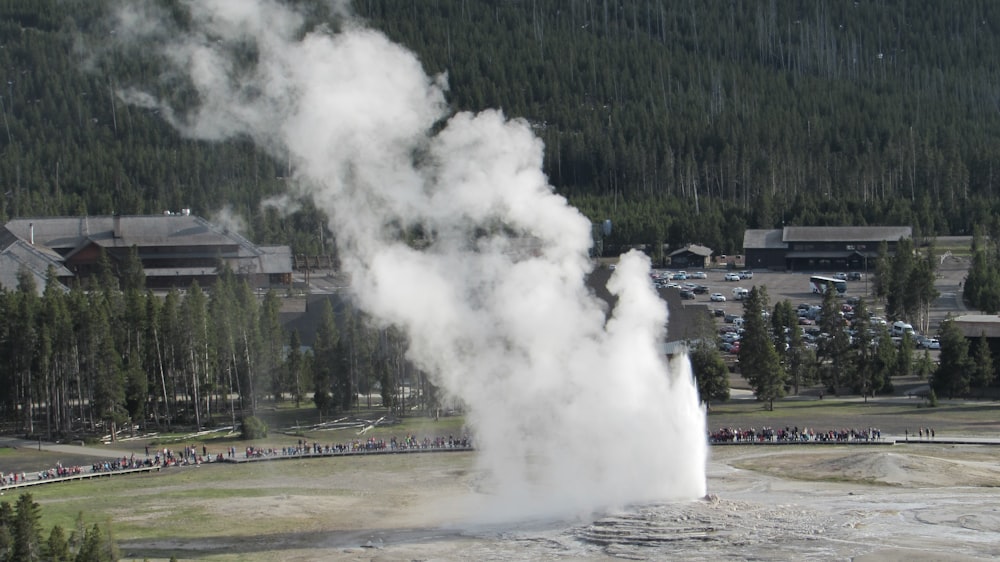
<point x="271" y="363"/>
<point x="899" y="298"/>
<point x="325" y="359"/>
<point x="353" y="356"/>
<point x="710" y="372"/>
<point x="925" y="365"/>
<point x="886" y="357"/>
<point x="250" y="347"/>
<point x="904" y="356"/>
<point x="57" y="546"/>
<point x="800" y="361"/>
<point x="26" y="530"/>
<point x="866" y="373"/>
<point x="759" y="362"/>
<point x="133" y="275"/>
<point x="983" y="373"/>
<point x="834" y="345"/>
<point x="224" y="323"/>
<point x="6" y="530"/>
<point x="92" y="549"/>
<point x="108" y="374"/>
<point x="951" y="378"/>
<point x="195" y="347"/>
<point x="22" y="342"/>
<point x="295" y="365"/>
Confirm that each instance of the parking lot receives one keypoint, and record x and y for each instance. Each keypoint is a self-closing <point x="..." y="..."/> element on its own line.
<point x="795" y="287"/>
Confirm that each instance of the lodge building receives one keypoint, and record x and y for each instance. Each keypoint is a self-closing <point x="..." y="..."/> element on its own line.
<point x="820" y="248"/>
<point x="175" y="249"/>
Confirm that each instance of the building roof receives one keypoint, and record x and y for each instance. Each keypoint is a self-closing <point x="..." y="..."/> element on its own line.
<point x="694" y="249"/>
<point x="975" y="325"/>
<point x="16" y="254"/>
<point x="845" y="233"/>
<point x="763" y="240"/>
<point x="67" y="233"/>
<point x="54" y="239"/>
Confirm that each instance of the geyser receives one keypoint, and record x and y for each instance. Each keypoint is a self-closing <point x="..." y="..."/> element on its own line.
<point x="573" y="410"/>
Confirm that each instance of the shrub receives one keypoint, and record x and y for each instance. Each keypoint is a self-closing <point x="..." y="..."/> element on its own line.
<point x="254" y="428"/>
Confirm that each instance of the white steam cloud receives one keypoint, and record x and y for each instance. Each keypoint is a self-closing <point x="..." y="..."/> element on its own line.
<point x="572" y="412"/>
<point x="229" y="219"/>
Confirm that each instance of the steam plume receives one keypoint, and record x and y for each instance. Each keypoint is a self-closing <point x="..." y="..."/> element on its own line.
<point x="571" y="411"/>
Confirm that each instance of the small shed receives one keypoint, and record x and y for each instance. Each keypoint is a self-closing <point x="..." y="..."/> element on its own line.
<point x="692" y="255"/>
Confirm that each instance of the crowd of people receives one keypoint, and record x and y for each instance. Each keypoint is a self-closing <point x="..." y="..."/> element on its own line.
<point x="63" y="471"/>
<point x="794" y="435"/>
<point x="123" y="463"/>
<point x="12" y="478"/>
<point x="922" y="433"/>
<point x="371" y="444"/>
<point x="190" y="455"/>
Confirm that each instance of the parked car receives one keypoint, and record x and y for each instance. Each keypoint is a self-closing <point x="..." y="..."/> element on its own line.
<point x="699" y="275"/>
<point x="700" y="290"/>
<point x="933" y="343"/>
<point x="718" y="297"/>
<point x="679" y="276"/>
<point x="732" y="277"/>
<point x="841" y="276"/>
<point x="718" y="313"/>
<point x="854" y="276"/>
<point x="746" y="274"/>
<point x="687" y="294"/>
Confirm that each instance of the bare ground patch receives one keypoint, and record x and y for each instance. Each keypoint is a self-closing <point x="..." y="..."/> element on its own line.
<point x="910" y="467"/>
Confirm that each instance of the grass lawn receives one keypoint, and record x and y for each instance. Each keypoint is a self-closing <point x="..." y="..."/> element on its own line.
<point x="208" y="509"/>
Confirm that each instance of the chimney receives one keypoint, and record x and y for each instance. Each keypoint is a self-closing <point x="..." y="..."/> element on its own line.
<point x="118" y="226"/>
<point x="31" y="228"/>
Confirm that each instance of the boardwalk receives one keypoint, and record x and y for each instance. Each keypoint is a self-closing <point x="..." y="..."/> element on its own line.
<point x="278" y="456"/>
<point x="80" y="476"/>
<point x="249" y="455"/>
<point x="255" y="455"/>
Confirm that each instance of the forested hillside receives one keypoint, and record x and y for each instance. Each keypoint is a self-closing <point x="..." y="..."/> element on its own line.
<point x="682" y="121"/>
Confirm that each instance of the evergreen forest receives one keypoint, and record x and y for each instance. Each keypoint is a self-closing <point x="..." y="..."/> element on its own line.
<point x="112" y="357"/>
<point x="681" y="121"/>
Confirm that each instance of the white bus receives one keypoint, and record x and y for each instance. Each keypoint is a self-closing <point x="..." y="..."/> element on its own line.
<point x="820" y="284"/>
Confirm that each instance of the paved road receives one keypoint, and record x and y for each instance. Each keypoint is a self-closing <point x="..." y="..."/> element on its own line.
<point x="81" y="450"/>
